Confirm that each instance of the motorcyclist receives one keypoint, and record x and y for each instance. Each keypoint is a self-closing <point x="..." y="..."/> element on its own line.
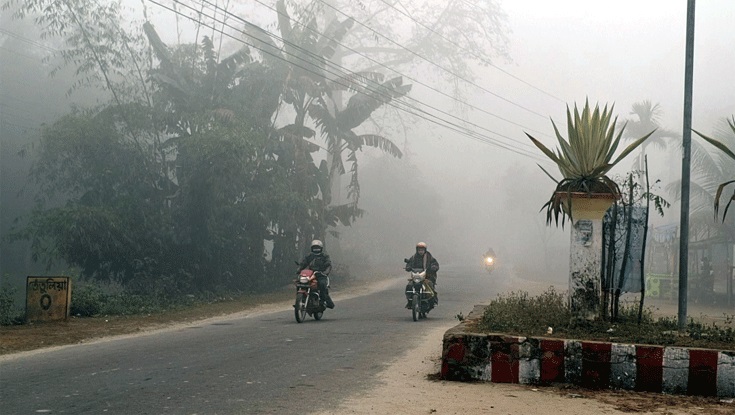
<point x="318" y="261"/>
<point x="423" y="259"/>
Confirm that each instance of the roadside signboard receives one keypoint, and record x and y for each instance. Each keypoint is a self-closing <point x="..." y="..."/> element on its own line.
<point x="48" y="298"/>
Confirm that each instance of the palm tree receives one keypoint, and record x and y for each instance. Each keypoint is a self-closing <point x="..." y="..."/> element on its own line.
<point x="712" y="172"/>
<point x="648" y="116"/>
<point x="717" y="171"/>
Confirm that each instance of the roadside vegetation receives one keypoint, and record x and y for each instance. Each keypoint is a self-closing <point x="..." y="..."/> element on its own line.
<point x="205" y="165"/>
<point x="547" y="315"/>
<point x="91" y="300"/>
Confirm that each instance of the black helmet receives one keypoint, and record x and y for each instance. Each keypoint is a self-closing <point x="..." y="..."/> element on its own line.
<point x="317" y="246"/>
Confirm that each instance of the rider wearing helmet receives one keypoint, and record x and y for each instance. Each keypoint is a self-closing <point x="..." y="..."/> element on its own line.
<point x="423" y="259"/>
<point x="318" y="261"/>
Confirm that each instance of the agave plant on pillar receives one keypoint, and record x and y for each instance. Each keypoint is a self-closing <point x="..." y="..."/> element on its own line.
<point x="583" y="195"/>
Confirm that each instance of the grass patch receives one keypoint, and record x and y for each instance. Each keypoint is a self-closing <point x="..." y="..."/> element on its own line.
<point x="547" y="315"/>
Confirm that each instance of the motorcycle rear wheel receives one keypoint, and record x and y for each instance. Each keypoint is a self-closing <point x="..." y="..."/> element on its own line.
<point x="300" y="307"/>
<point x="318" y="315"/>
<point x="416" y="307"/>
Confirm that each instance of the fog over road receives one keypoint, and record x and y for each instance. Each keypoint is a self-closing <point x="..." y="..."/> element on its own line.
<point x="261" y="363"/>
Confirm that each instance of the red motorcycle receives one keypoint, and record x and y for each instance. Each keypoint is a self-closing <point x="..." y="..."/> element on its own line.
<point x="308" y="300"/>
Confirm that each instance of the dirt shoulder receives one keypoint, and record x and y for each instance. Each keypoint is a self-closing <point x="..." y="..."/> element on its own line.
<point x="75" y="330"/>
<point x="410" y="385"/>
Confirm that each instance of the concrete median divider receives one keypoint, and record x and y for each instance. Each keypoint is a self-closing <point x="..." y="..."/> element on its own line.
<point x="500" y="358"/>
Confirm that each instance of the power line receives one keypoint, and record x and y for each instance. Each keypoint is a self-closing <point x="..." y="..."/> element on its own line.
<point x="453" y="126"/>
<point x="387" y="67"/>
<point x="480" y="58"/>
<point x="434" y="63"/>
<point x="395" y="104"/>
<point x="27" y="40"/>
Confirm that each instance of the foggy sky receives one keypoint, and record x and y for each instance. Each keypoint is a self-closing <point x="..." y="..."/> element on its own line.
<point x="618" y="53"/>
<point x="610" y="52"/>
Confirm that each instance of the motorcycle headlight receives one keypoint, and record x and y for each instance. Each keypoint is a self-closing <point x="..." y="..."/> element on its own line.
<point x="489" y="260"/>
<point x="303" y="279"/>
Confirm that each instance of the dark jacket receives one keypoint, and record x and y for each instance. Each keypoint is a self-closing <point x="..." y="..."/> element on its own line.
<point x="314" y="262"/>
<point x="425" y="261"/>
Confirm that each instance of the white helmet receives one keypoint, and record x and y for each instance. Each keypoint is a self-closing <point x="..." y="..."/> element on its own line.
<point x="317" y="246"/>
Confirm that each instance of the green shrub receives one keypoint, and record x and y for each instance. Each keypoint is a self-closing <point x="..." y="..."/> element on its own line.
<point x="519" y="314"/>
<point x="87" y="300"/>
<point x="8" y="313"/>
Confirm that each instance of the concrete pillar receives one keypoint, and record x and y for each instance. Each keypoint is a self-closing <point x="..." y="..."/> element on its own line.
<point x="585" y="253"/>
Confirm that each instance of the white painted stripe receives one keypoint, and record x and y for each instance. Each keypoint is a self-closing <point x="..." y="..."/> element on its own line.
<point x="622" y="366"/>
<point x="573" y="361"/>
<point x="529" y="371"/>
<point x="529" y="366"/>
<point x="675" y="370"/>
<point x="487" y="372"/>
<point x="726" y="375"/>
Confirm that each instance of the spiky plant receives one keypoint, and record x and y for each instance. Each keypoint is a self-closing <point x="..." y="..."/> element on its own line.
<point x="585" y="158"/>
<point x="731" y="154"/>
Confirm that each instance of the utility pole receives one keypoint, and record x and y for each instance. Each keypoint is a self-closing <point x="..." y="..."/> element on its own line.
<point x="686" y="168"/>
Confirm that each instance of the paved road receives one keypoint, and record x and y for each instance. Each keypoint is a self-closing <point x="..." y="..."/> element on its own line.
<point x="264" y="363"/>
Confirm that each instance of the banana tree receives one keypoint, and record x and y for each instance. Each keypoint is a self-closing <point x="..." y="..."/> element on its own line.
<point x="313" y="88"/>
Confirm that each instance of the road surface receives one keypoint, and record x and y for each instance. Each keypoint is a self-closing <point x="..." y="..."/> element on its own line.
<point x="259" y="363"/>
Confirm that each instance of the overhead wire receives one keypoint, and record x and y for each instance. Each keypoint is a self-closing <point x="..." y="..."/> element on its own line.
<point x="349" y="72"/>
<point x="453" y="73"/>
<point x="480" y="58"/>
<point x="381" y="64"/>
<point x="27" y="40"/>
<point x="429" y="117"/>
<point x="455" y="127"/>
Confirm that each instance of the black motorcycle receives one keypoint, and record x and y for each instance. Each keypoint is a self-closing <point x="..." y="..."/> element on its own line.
<point x="420" y="293"/>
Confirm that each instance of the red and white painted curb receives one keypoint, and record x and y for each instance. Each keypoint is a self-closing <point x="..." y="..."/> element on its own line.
<point x="598" y="365"/>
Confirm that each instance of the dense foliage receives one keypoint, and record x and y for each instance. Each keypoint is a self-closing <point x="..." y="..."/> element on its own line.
<point x="192" y="177"/>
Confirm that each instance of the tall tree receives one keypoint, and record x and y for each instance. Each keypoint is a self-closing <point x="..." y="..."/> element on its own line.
<point x="312" y="91"/>
<point x="206" y="175"/>
<point x="647" y="119"/>
<point x="727" y="147"/>
<point x="711" y="168"/>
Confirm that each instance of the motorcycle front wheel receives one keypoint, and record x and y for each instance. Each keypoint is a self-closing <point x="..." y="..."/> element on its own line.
<point x="300" y="307"/>
<point x="416" y="307"/>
